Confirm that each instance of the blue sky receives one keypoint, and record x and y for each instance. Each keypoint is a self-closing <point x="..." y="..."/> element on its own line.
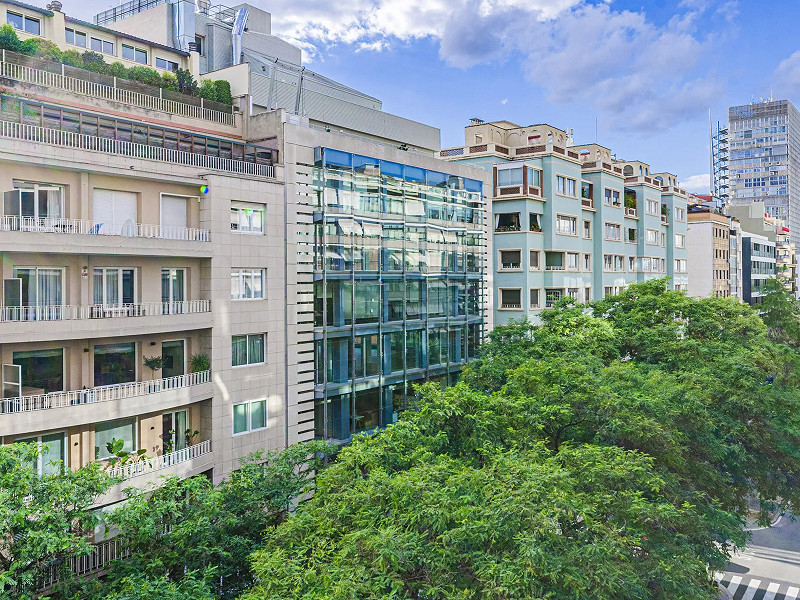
<point x="647" y="72"/>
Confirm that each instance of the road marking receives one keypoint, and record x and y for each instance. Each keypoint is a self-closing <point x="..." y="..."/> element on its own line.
<point x="752" y="588"/>
<point x="772" y="589"/>
<point x="791" y="593"/>
<point x="734" y="584"/>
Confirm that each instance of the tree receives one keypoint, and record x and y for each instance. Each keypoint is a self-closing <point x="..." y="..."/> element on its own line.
<point x="781" y="313"/>
<point x="195" y="534"/>
<point x="43" y="518"/>
<point x="608" y="453"/>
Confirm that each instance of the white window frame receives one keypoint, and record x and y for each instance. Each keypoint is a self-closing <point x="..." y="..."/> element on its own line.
<point x="587" y="262"/>
<point x="587" y="229"/>
<point x="567" y="218"/>
<point x="649" y="233"/>
<point x="41" y="459"/>
<point x="577" y="256"/>
<point x="135" y="50"/>
<point x="538" y="305"/>
<point x="167" y="62"/>
<point x="102" y="46"/>
<point x="247" y="337"/>
<point x="25" y="18"/>
<point x="500" y="266"/>
<point x="538" y="254"/>
<point x="244" y="273"/>
<point x="611" y="225"/>
<point x="75" y="32"/>
<point x="250" y="427"/>
<point x="649" y="205"/>
<point x="119" y="271"/>
<point x="680" y="213"/>
<point x="242" y="208"/>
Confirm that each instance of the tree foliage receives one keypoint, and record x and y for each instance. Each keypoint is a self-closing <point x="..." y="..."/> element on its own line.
<point x="189" y="534"/>
<point x="608" y="453"/>
<point x="42" y="518"/>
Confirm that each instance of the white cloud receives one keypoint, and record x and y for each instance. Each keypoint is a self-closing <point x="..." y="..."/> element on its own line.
<point x="504" y="101"/>
<point x="787" y="76"/>
<point x="697" y="184"/>
<point x="639" y="75"/>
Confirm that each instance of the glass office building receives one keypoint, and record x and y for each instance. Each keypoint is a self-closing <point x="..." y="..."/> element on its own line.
<point x="398" y="285"/>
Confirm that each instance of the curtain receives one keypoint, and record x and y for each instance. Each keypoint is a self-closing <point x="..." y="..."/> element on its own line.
<point x="239" y="350"/>
<point x="255" y="348"/>
<point x="97" y="295"/>
<point x="123" y="429"/>
<point x="49" y="287"/>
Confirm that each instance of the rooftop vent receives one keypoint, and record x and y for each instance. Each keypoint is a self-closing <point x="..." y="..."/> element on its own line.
<point x="55" y="6"/>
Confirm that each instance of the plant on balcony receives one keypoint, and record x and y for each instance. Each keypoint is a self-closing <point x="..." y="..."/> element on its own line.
<point x="122" y="457"/>
<point x="585" y="193"/>
<point x="190" y="435"/>
<point x="501" y="228"/>
<point x="630" y="200"/>
<point x="664" y="210"/>
<point x="199" y="362"/>
<point x="154" y="363"/>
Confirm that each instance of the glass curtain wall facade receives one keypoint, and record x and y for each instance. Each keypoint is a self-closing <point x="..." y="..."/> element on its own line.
<point x="398" y="286"/>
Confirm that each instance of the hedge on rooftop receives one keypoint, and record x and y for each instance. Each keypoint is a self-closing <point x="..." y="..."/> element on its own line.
<point x="181" y="81"/>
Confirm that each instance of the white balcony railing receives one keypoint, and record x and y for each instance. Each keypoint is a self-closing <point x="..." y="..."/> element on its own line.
<point x="97" y="560"/>
<point x="554" y="268"/>
<point x="86" y="227"/>
<point x="98" y="311"/>
<point x="118" y="391"/>
<point x="83" y="87"/>
<point x="148" y="465"/>
<point x="69" y="139"/>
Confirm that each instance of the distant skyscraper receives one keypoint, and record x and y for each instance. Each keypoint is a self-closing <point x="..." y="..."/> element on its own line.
<point x="764" y="142"/>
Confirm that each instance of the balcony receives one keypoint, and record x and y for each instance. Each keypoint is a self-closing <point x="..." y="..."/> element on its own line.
<point x="94" y="562"/>
<point x="555" y="268"/>
<point x="159" y="463"/>
<point x="64" y="322"/>
<point x="92" y="237"/>
<point x="587" y="203"/>
<point x="79" y="81"/>
<point x="82" y="407"/>
<point x="82" y="141"/>
<point x="630" y="212"/>
<point x="664" y="220"/>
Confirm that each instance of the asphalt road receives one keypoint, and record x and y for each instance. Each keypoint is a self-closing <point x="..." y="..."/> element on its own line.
<point x="769" y="568"/>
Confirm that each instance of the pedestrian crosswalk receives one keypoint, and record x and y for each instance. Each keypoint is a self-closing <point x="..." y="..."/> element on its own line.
<point x="742" y="588"/>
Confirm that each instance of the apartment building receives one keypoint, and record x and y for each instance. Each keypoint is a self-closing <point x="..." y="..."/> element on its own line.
<point x="755" y="219"/>
<point x="713" y="255"/>
<point x="763" y="142"/>
<point x="569" y="220"/>
<point x="202" y="283"/>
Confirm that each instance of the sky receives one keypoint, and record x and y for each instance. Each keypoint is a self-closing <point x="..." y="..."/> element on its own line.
<point x="637" y="77"/>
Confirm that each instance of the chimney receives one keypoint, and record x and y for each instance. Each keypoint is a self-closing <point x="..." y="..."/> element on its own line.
<point x="475" y="121"/>
<point x="54" y="5"/>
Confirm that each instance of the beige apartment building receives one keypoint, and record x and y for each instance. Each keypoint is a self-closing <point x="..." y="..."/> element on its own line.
<point x="295" y="278"/>
<point x="713" y="256"/>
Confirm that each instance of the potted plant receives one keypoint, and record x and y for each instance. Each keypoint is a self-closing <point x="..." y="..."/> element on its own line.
<point x="154" y="363"/>
<point x="122" y="457"/>
<point x="199" y="362"/>
<point x="630" y="200"/>
<point x="664" y="210"/>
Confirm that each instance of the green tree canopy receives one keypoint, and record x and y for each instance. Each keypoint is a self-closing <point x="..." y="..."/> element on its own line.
<point x="608" y="453"/>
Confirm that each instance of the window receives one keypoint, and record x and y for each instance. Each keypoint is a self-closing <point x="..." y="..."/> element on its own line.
<point x="587" y="230"/>
<point x="652" y="237"/>
<point x="535" y="223"/>
<point x="40" y="287"/>
<point x="507" y="222"/>
<point x="40" y="369"/>
<point x="663" y="239"/>
<point x="587" y="262"/>
<point x="249" y="416"/>
<point x="113" y="287"/>
<point x="680" y="214"/>
<point x="613" y="232"/>
<point x="52" y="452"/>
<point x="551" y="297"/>
<point x="248" y="349"/>
<point x="611" y="197"/>
<point x="121" y="429"/>
<point x="572" y="260"/>
<point x="247" y="218"/>
<point x="680" y="265"/>
<point x="103" y="46"/>
<point x="114" y="364"/>
<point x="24" y="23"/>
<point x="35" y="203"/>
<point x="535" y="298"/>
<point x="561" y="184"/>
<point x="507" y="177"/>
<point x="510" y="259"/>
<point x="566" y="225"/>
<point x="535" y="257"/>
<point x="175" y="430"/>
<point x="652" y="207"/>
<point x="201" y="44"/>
<point x="645" y="264"/>
<point x="619" y="263"/>
<point x="511" y="298"/>
<point x="570" y="187"/>
<point x="134" y="54"/>
<point x="163" y="63"/>
<point x="632" y="264"/>
<point x="587" y="295"/>
<point x="76" y="38"/>
<point x="534" y="177"/>
<point x="247" y="284"/>
<point x="613" y="262"/>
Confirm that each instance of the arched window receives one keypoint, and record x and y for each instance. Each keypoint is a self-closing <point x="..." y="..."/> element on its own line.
<point x="628" y="171"/>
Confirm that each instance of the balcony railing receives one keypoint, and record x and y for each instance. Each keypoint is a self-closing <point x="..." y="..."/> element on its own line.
<point x="97" y="560"/>
<point x="87" y="227"/>
<point x="664" y="220"/>
<point x="555" y="268"/>
<point x="105" y="393"/>
<point x="587" y="202"/>
<point x="84" y="87"/>
<point x="630" y="212"/>
<point x="99" y="311"/>
<point x="69" y="139"/>
<point x="157" y="463"/>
